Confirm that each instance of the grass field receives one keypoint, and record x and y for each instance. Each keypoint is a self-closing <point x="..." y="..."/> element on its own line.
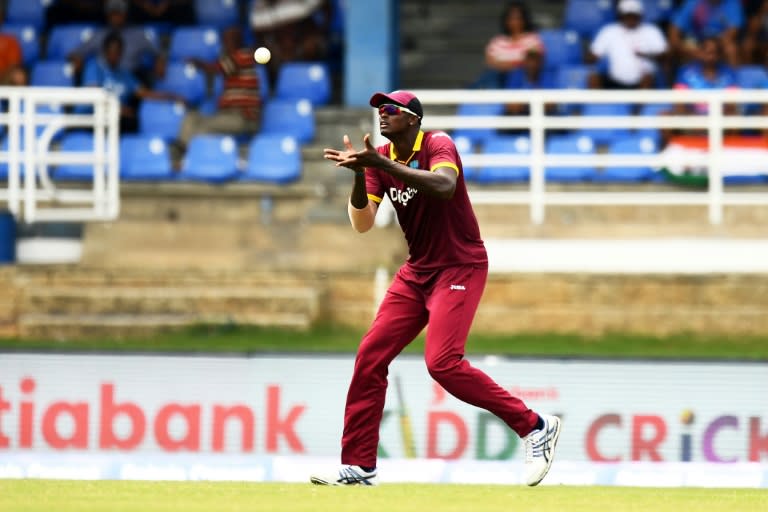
<point x="113" y="496"/>
<point x="236" y="339"/>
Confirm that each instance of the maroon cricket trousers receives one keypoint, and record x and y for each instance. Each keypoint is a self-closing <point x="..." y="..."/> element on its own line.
<point x="447" y="299"/>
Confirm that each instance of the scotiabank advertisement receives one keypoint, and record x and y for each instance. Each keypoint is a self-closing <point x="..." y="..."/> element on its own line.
<point x="279" y="417"/>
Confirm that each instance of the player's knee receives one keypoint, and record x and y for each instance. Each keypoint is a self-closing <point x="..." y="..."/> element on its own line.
<point x="441" y="367"/>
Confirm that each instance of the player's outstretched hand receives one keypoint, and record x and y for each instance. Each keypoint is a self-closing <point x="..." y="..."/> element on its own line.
<point x="343" y="157"/>
<point x="368" y="157"/>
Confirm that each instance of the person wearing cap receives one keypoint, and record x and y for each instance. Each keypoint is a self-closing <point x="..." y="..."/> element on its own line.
<point x="629" y="48"/>
<point x="439" y="285"/>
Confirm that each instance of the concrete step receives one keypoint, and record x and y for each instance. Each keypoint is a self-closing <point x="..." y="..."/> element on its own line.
<point x="214" y="302"/>
<point x="116" y="326"/>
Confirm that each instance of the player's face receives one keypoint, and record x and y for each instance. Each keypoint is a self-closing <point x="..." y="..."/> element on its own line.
<point x="394" y="118"/>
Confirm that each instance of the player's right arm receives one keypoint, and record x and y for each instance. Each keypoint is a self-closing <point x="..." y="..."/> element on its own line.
<point x="361" y="209"/>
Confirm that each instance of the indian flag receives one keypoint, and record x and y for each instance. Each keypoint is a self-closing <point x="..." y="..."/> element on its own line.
<point x="743" y="157"/>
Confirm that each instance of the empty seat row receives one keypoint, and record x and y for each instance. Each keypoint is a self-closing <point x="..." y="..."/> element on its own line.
<point x="271" y="158"/>
<point x="575" y="144"/>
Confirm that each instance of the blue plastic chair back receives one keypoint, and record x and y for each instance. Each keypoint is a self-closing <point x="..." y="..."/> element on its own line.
<point x="273" y="159"/>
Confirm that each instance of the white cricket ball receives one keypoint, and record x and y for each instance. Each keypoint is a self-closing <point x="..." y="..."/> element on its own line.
<point x="262" y="55"/>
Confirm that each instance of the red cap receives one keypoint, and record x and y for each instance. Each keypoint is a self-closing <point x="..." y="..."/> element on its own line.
<point x="403" y="98"/>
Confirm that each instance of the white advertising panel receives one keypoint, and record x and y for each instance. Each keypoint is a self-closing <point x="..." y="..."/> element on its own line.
<point x="259" y="418"/>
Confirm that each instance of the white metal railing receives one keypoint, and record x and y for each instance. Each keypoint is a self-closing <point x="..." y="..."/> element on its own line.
<point x="714" y="122"/>
<point x="30" y="126"/>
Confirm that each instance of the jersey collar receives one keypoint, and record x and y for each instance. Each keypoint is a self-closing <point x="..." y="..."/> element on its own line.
<point x="416" y="147"/>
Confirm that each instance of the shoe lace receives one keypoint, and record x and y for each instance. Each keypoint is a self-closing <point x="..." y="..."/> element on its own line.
<point x="535" y="443"/>
<point x="350" y="476"/>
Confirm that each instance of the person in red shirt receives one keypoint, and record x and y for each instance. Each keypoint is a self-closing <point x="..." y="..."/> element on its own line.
<point x="239" y="106"/>
<point x="440" y="284"/>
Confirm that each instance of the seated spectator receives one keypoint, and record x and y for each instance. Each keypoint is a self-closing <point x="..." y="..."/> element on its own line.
<point x="630" y="48"/>
<point x="170" y="12"/>
<point x="530" y="75"/>
<point x="696" y="20"/>
<point x="709" y="71"/>
<point x="10" y="56"/>
<point x="507" y="51"/>
<point x="136" y="45"/>
<point x="755" y="40"/>
<point x="105" y="71"/>
<point x="239" y="107"/>
<point x="292" y="29"/>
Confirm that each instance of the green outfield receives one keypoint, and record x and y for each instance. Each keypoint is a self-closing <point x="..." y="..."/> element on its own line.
<point x="112" y="496"/>
<point x="334" y="339"/>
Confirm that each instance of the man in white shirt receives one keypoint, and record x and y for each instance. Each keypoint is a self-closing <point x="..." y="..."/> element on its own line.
<point x="628" y="48"/>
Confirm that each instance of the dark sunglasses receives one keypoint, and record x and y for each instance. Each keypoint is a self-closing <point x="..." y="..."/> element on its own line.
<point x="393" y="110"/>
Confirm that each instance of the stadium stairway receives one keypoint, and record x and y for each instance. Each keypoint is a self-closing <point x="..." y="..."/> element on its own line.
<point x="442" y="42"/>
<point x="57" y="303"/>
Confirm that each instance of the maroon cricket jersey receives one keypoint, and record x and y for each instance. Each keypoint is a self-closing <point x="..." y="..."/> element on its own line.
<point x="439" y="232"/>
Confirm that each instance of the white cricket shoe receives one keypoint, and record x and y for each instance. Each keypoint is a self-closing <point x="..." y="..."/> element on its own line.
<point x="540" y="449"/>
<point x="346" y="475"/>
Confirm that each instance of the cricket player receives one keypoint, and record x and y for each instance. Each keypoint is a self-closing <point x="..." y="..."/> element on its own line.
<point x="440" y="285"/>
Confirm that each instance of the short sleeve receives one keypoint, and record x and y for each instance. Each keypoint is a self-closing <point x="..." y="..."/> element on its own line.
<point x="442" y="152"/>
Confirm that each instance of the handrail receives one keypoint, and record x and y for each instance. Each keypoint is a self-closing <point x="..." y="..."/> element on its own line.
<point x="30" y="136"/>
<point x="439" y="106"/>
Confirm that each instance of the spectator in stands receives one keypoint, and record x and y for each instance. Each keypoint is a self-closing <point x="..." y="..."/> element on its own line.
<point x="137" y="47"/>
<point x="106" y="72"/>
<point x="629" y="48"/>
<point x="10" y="56"/>
<point x="696" y="20"/>
<point x="530" y="75"/>
<point x="755" y="40"/>
<point x="292" y="29"/>
<point x="507" y="51"/>
<point x="170" y="12"/>
<point x="709" y="71"/>
<point x="239" y="107"/>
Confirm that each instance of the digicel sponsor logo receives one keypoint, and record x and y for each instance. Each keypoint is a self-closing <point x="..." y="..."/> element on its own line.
<point x="279" y="423"/>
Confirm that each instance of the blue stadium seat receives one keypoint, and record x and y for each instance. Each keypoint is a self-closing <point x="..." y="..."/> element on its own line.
<point x="309" y="80"/>
<point x="273" y="159"/>
<point x="752" y="77"/>
<point x="197" y="42"/>
<point x="289" y="117"/>
<point x="184" y="79"/>
<point x="629" y="145"/>
<point x="144" y="158"/>
<point x="27" y="12"/>
<point x="217" y="13"/>
<point x="561" y="48"/>
<point x="52" y="73"/>
<point x="575" y="76"/>
<point x="605" y="135"/>
<point x="505" y="145"/>
<point x="587" y="16"/>
<point x="477" y="135"/>
<point x="29" y="40"/>
<point x="161" y="118"/>
<point x="569" y="145"/>
<point x="210" y="158"/>
<point x="75" y="142"/>
<point x="466" y="147"/>
<point x="63" y="39"/>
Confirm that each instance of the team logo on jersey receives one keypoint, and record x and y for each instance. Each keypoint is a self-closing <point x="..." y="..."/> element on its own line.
<point x="402" y="196"/>
<point x="414" y="164"/>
